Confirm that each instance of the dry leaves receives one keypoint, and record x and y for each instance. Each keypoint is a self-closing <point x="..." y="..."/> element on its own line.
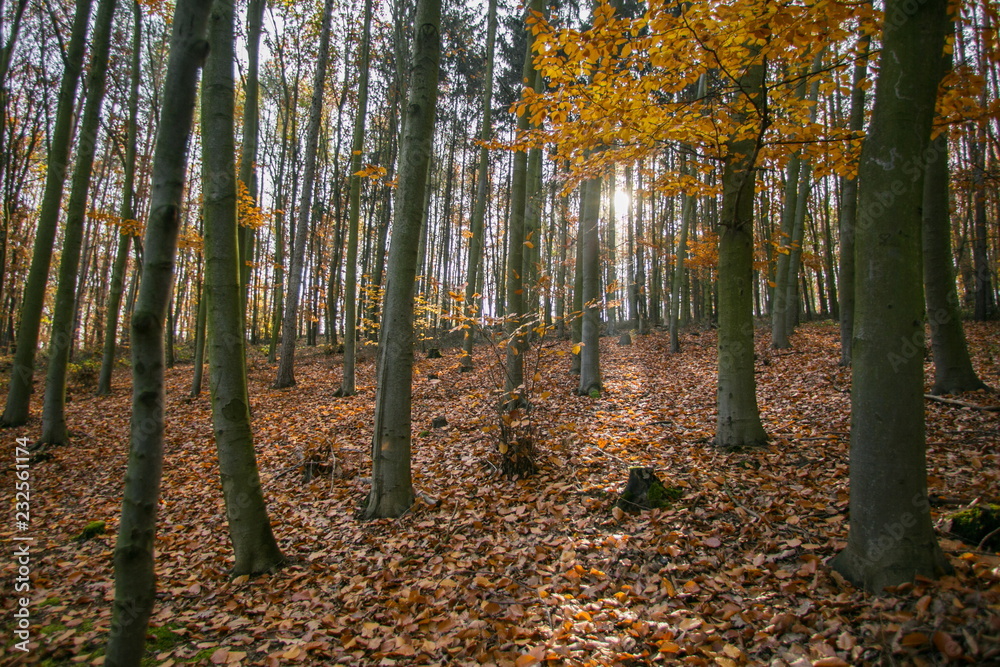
<point x="537" y="571"/>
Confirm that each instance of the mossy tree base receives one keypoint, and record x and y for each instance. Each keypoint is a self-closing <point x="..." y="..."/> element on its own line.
<point x="978" y="523"/>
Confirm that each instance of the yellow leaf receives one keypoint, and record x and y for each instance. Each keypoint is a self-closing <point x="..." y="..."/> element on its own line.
<point x="577" y="347"/>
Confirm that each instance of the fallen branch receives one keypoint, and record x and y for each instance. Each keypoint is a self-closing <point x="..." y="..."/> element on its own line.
<point x="972" y="406"/>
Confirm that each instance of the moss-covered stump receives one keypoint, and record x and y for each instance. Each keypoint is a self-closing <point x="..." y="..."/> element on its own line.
<point x="645" y="491"/>
<point x="975" y="523"/>
<point x="92" y="529"/>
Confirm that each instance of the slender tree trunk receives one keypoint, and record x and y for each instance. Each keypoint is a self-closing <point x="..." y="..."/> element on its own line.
<point x="54" y="429"/>
<point x="590" y="331"/>
<point x="392" y="489"/>
<point x="953" y="371"/>
<point x="135" y="579"/>
<point x="248" y="153"/>
<point x="354" y="212"/>
<point x="286" y="368"/>
<point x="200" y="326"/>
<point x="33" y="299"/>
<point x="127" y="212"/>
<point x="473" y="303"/>
<point x="849" y="211"/>
<point x="515" y="306"/>
<point x="891" y="538"/>
<point x="687" y="216"/>
<point x="249" y="527"/>
<point x="738" y="421"/>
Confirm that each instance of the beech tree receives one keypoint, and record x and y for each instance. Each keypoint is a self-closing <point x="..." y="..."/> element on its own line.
<point x="54" y="429"/>
<point x="135" y="579"/>
<point x="391" y="493"/>
<point x="23" y="370"/>
<point x="249" y="527"/>
<point x="891" y="538"/>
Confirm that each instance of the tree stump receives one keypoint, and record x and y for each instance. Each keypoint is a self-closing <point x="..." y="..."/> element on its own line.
<point x="645" y="491"/>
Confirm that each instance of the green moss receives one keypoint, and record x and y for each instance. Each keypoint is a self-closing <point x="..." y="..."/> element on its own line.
<point x="49" y="602"/>
<point x="162" y="638"/>
<point x="90" y="530"/>
<point x="595" y="393"/>
<point x="52" y="628"/>
<point x="975" y="523"/>
<point x="661" y="496"/>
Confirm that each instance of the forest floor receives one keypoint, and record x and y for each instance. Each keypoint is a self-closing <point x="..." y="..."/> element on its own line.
<point x="543" y="570"/>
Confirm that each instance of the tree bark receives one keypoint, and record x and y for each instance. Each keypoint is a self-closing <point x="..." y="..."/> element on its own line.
<point x="849" y="211"/>
<point x="249" y="527"/>
<point x="347" y="383"/>
<point x="289" y="329"/>
<point x="248" y="153"/>
<point x="392" y="488"/>
<point x="590" y="329"/>
<point x="33" y="299"/>
<point x="135" y="580"/>
<point x="127" y="212"/>
<point x="54" y="429"/>
<point x="891" y="538"/>
<point x="738" y="422"/>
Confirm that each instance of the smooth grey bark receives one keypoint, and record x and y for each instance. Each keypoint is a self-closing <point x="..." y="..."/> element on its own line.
<point x="249" y="527"/>
<point x="248" y="152"/>
<point x="472" y="302"/>
<point x="200" y="326"/>
<point x="515" y="305"/>
<point x="22" y="372"/>
<point x="738" y="422"/>
<point x="127" y="212"/>
<point x="983" y="303"/>
<point x="54" y="428"/>
<point x="891" y="538"/>
<point x="576" y="328"/>
<point x="391" y="493"/>
<point x="849" y="210"/>
<point x="347" y="382"/>
<point x="135" y="579"/>
<point x="953" y="371"/>
<point x="687" y="218"/>
<point x="286" y="366"/>
<point x="590" y="270"/>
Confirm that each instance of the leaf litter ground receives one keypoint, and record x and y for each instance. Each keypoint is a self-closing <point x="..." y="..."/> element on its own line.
<point x="543" y="570"/>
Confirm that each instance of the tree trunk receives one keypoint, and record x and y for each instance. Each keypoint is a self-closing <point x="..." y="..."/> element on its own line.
<point x="200" y="325"/>
<point x="590" y="329"/>
<point x="289" y="329"/>
<point x="249" y="527"/>
<point x="248" y="153"/>
<point x="473" y="303"/>
<point x="953" y="372"/>
<point x="135" y="579"/>
<point x="687" y="217"/>
<point x="392" y="488"/>
<point x="891" y="538"/>
<point x="54" y="429"/>
<point x="354" y="213"/>
<point x="127" y="212"/>
<point x="33" y="299"/>
<point x="738" y="422"/>
<point x="849" y="211"/>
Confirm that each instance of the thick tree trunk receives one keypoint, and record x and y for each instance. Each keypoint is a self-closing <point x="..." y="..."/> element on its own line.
<point x="891" y="538"/>
<point x="135" y="580"/>
<point x="392" y="488"/>
<point x="738" y="422"/>
<point x="54" y="429"/>
<point x="33" y="299"/>
<point x="249" y="527"/>
<point x="117" y="286"/>
<point x="289" y="328"/>
<point x="347" y="382"/>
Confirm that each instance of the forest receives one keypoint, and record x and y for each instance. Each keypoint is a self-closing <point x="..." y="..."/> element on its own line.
<point x="489" y="333"/>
